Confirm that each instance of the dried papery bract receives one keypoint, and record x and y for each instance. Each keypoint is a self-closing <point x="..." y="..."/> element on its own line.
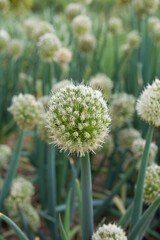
<point x="78" y="119"/>
<point x="152" y="184"/>
<point x="110" y="232"/>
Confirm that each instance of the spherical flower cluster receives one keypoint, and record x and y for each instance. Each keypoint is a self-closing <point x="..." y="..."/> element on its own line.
<point x="127" y="136"/>
<point x="81" y="25"/>
<point x="145" y="6"/>
<point x="30" y="25"/>
<point x="148" y="104"/>
<point x="5" y="153"/>
<point x="138" y="147"/>
<point x="32" y="217"/>
<point x="48" y="46"/>
<point x="72" y="10"/>
<point x="125" y="49"/>
<point x="43" y="28"/>
<point x="133" y="39"/>
<point x="109" y="232"/>
<point x="78" y="119"/>
<point x="122" y="107"/>
<point x="21" y="193"/>
<point x="44" y="100"/>
<point x="139" y="7"/>
<point x="152" y="184"/>
<point x="43" y="131"/>
<point x="64" y="55"/>
<point x="115" y="25"/>
<point x="4" y="5"/>
<point x="15" y="48"/>
<point x="103" y="83"/>
<point x="107" y="147"/>
<point x="4" y="40"/>
<point x="150" y="5"/>
<point x="86" y="43"/>
<point x="62" y="84"/>
<point x="25" y="110"/>
<point x="152" y="22"/>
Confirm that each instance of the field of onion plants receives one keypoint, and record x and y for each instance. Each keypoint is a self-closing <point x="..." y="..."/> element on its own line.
<point x="79" y="118"/>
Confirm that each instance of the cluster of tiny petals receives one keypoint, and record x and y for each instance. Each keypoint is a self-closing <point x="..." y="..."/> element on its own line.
<point x="64" y="55"/>
<point x="21" y="193"/>
<point x="103" y="83"/>
<point x="62" y="84"/>
<point x="133" y="39"/>
<point x="72" y="10"/>
<point x="138" y="147"/>
<point x="148" y="105"/>
<point x="126" y="137"/>
<point x="115" y="25"/>
<point x="48" y="46"/>
<point x="152" y="22"/>
<point x="4" y="5"/>
<point x="5" y="153"/>
<point x="86" y="43"/>
<point x="43" y="131"/>
<point x="81" y="25"/>
<point x="152" y="184"/>
<point x="109" y="232"/>
<point x="78" y="119"/>
<point x="25" y="110"/>
<point x="32" y="217"/>
<point x="42" y="28"/>
<point x="122" y="107"/>
<point x="15" y="48"/>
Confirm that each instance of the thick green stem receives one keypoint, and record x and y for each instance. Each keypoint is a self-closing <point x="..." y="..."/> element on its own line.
<point x="12" y="169"/>
<point x="141" y="226"/>
<point x="21" y="235"/>
<point x="138" y="198"/>
<point x="41" y="174"/>
<point x="51" y="187"/>
<point x="87" y="206"/>
<point x="124" y="220"/>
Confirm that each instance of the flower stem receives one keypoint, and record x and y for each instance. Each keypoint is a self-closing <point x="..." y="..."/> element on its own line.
<point x="87" y="206"/>
<point x="51" y="187"/>
<point x="12" y="169"/>
<point x="141" y="226"/>
<point x="21" y="235"/>
<point x="138" y="199"/>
